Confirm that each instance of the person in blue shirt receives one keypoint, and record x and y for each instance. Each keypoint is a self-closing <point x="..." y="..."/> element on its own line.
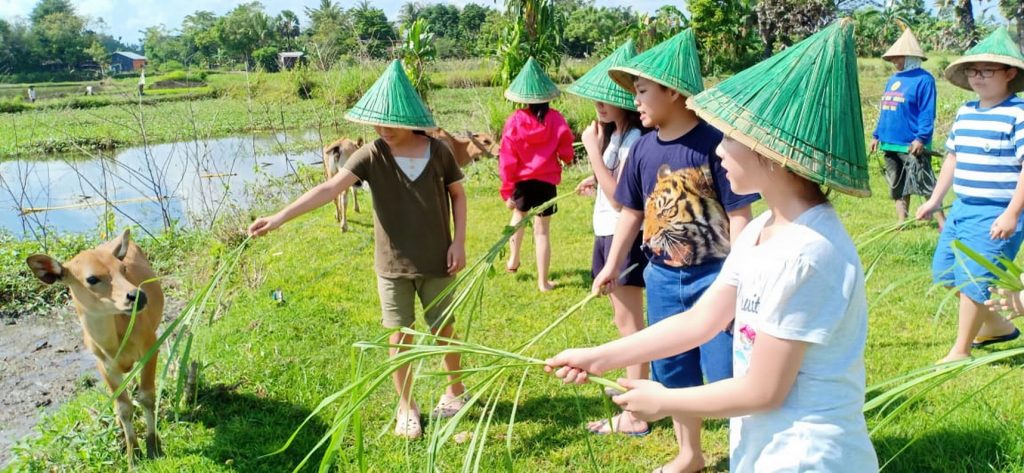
<point x="905" y="125"/>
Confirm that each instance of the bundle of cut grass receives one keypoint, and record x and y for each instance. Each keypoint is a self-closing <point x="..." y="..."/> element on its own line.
<point x="895" y="396"/>
<point x="484" y="382"/>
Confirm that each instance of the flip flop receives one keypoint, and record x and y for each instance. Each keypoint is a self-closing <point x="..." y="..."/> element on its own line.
<point x="604" y="423"/>
<point x="986" y="341"/>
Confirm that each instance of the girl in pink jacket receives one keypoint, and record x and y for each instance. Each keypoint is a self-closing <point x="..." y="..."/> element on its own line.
<point x="532" y="143"/>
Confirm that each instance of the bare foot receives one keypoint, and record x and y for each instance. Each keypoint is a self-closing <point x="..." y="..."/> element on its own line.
<point x="547" y="286"/>
<point x="623" y="423"/>
<point x="683" y="463"/>
<point x="952" y="357"/>
<point x="511" y="268"/>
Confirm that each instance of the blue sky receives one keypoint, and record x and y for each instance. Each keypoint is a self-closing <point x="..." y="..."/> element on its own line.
<point x="124" y="18"/>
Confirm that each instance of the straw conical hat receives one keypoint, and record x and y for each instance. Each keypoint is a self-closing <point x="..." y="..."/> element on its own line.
<point x="673" y="63"/>
<point x="393" y="102"/>
<point x="998" y="47"/>
<point x="800" y="108"/>
<point x="532" y="85"/>
<point x="907" y="45"/>
<point x="597" y="85"/>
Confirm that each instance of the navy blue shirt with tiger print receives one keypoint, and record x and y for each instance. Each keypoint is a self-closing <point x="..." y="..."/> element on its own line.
<point x="682" y="189"/>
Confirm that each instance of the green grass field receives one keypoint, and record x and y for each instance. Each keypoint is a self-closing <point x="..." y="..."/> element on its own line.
<point x="267" y="366"/>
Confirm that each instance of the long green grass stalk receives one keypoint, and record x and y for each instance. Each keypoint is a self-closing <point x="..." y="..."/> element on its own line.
<point x="896" y="396"/>
<point x="183" y="330"/>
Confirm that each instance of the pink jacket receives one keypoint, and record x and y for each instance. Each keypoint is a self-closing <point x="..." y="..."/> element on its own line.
<point x="531" y="149"/>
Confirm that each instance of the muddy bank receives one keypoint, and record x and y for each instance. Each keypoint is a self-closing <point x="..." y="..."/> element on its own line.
<point x="42" y="359"/>
<point x="43" y="363"/>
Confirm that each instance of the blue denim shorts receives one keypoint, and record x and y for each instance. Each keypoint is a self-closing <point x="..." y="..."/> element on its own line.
<point x="970" y="224"/>
<point x="674" y="290"/>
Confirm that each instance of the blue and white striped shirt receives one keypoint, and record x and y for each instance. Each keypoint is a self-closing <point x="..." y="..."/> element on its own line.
<point x="989" y="148"/>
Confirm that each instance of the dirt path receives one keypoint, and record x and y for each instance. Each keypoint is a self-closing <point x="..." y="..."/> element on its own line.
<point x="41" y="359"/>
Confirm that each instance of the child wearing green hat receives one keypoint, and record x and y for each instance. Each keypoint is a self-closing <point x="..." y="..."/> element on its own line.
<point x="983" y="166"/>
<point x="675" y="188"/>
<point x="608" y="142"/>
<point x="418" y="197"/>
<point x="533" y="142"/>
<point x="793" y="285"/>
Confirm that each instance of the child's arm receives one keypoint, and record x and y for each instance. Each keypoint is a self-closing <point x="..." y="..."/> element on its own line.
<point x="774" y="364"/>
<point x="565" y="139"/>
<point x="1006" y="225"/>
<point x="313" y="198"/>
<point x="508" y="165"/>
<point x="626" y="230"/>
<point x="710" y="315"/>
<point x="738" y="220"/>
<point x="457" y="252"/>
<point x="942" y="185"/>
<point x="592" y="138"/>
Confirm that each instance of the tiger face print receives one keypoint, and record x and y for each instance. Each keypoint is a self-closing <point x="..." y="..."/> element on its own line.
<point x="684" y="223"/>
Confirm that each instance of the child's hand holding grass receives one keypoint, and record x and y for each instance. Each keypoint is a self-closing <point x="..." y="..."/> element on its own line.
<point x="644" y="399"/>
<point x="575" y="365"/>
<point x="1008" y="301"/>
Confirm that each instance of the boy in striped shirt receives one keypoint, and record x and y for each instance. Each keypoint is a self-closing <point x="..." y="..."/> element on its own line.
<point x="986" y="147"/>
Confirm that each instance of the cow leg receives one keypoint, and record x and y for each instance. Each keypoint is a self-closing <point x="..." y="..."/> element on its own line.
<point x="343" y="210"/>
<point x="147" y="399"/>
<point x="124" y="407"/>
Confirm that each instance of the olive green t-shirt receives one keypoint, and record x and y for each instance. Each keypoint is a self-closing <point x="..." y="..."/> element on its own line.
<point x="411" y="218"/>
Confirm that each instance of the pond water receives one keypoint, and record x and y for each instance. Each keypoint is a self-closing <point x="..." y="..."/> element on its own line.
<point x="186" y="183"/>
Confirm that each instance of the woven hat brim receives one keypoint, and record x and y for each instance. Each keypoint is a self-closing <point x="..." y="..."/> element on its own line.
<point x="514" y="97"/>
<point x="904" y="52"/>
<point x="624" y="76"/>
<point x="776" y="145"/>
<point x="955" y="72"/>
<point x="623" y="101"/>
<point x="905" y="48"/>
<point x="389" y="124"/>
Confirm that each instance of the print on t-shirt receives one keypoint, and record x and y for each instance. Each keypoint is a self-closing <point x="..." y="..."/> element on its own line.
<point x="684" y="223"/>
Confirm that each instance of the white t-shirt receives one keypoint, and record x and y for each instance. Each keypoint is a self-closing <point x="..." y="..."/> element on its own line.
<point x="806" y="283"/>
<point x="615" y="155"/>
<point x="413" y="167"/>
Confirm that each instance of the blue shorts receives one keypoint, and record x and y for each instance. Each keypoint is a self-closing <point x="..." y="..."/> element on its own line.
<point x="970" y="224"/>
<point x="674" y="290"/>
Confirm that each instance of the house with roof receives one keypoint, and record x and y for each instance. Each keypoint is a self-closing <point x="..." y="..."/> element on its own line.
<point x="123" y="61"/>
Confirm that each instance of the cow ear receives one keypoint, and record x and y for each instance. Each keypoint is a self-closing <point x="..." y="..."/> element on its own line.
<point x="121" y="244"/>
<point x="45" y="268"/>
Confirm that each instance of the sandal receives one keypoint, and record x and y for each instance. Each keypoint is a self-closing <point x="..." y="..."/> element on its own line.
<point x="599" y="429"/>
<point x="408" y="425"/>
<point x="449" y="405"/>
<point x="986" y="341"/>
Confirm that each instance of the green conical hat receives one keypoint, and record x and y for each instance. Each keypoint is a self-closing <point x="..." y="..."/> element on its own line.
<point x="800" y="108"/>
<point x="998" y="47"/>
<point x="673" y="63"/>
<point x="393" y="102"/>
<point x="532" y="85"/>
<point x="597" y="85"/>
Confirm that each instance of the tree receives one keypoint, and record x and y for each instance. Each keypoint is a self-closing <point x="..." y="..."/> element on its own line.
<point x="244" y="30"/>
<point x="59" y="39"/>
<point x="965" y="16"/>
<point x="726" y="32"/>
<point x="100" y="56"/>
<point x="201" y="37"/>
<point x="409" y="12"/>
<point x="788" y="21"/>
<point x="330" y="34"/>
<point x="46" y="8"/>
<point x="443" y="19"/>
<point x="288" y="27"/>
<point x="589" y="28"/>
<point x="373" y="29"/>
<point x="647" y="30"/>
<point x="472" y="19"/>
<point x="417" y="52"/>
<point x="537" y="27"/>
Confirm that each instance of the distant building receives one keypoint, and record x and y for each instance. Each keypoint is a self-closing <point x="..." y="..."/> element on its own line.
<point x="123" y="61"/>
<point x="289" y="59"/>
